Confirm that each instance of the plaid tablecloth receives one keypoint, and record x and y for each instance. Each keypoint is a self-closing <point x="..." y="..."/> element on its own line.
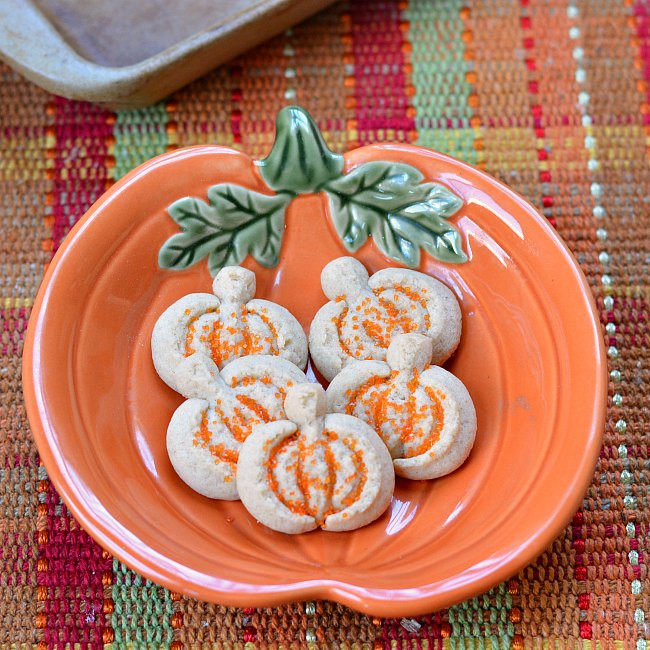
<point x="550" y="96"/>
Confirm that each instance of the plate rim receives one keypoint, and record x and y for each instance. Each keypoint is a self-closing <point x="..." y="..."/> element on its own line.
<point x="369" y="600"/>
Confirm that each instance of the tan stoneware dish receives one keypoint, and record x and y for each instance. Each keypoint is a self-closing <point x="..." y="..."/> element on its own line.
<point x="531" y="356"/>
<point x="126" y="54"/>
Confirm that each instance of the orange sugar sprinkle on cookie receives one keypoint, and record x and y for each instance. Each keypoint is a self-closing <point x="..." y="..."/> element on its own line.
<point x="255" y="407"/>
<point x="309" y="484"/>
<point x="330" y="459"/>
<point x="189" y="339"/>
<point x="338" y="322"/>
<point x="376" y="332"/>
<point x="382" y="318"/>
<point x="359" y="396"/>
<point x="372" y="399"/>
<point x="222" y="454"/>
<point x="361" y="476"/>
<point x="191" y="329"/>
<point x="416" y="297"/>
<point x="215" y="342"/>
<point x="273" y="338"/>
<point x="391" y="310"/>
<point x="202" y="436"/>
<point x="247" y="343"/>
<point x="412" y="419"/>
<point x="271" y="464"/>
<point x="433" y="435"/>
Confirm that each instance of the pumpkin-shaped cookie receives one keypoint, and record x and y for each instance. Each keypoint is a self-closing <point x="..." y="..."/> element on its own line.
<point x="313" y="469"/>
<point x="224" y="326"/>
<point x="424" y="414"/>
<point x="365" y="313"/>
<point x="206" y="432"/>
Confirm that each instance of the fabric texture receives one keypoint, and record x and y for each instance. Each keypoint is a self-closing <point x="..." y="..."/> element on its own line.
<point x="552" y="97"/>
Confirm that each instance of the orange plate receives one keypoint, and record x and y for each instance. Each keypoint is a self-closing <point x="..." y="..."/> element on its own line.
<point x="531" y="356"/>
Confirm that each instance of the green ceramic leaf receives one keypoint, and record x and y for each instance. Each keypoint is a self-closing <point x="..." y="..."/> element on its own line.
<point x="389" y="201"/>
<point x="186" y="248"/>
<point x="300" y="161"/>
<point x="192" y="214"/>
<point x="443" y="201"/>
<point x="236" y="222"/>
<point x="437" y="237"/>
<point x="261" y="238"/>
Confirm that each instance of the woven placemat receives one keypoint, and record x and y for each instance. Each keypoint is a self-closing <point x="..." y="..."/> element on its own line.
<point x="550" y="96"/>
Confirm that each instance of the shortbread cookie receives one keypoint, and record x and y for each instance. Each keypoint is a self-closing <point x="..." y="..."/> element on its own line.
<point x="314" y="470"/>
<point x="206" y="432"/>
<point x="366" y="313"/>
<point x="424" y="414"/>
<point x="225" y="326"/>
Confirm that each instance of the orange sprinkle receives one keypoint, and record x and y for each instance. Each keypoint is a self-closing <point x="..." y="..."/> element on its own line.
<point x="360" y="473"/>
<point x="272" y="330"/>
<point x="374" y="402"/>
<point x="271" y="463"/>
<point x="382" y="318"/>
<point x="215" y="342"/>
<point x="222" y="454"/>
<point x="338" y="321"/>
<point x="255" y="407"/>
<point x="434" y="434"/>
<point x="376" y="332"/>
<point x="202" y="436"/>
<point x="189" y="335"/>
<point x="309" y="484"/>
<point x="238" y="425"/>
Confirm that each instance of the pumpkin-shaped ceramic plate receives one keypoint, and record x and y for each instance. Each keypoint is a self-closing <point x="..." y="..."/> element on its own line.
<point x="531" y="356"/>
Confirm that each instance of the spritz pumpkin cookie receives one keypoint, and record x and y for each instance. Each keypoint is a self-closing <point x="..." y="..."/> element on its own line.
<point x="206" y="432"/>
<point x="314" y="470"/>
<point x="365" y="313"/>
<point x="224" y="326"/>
<point x="423" y="413"/>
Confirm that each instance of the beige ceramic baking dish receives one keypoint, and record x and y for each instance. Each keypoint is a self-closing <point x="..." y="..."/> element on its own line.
<point x="126" y="54"/>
